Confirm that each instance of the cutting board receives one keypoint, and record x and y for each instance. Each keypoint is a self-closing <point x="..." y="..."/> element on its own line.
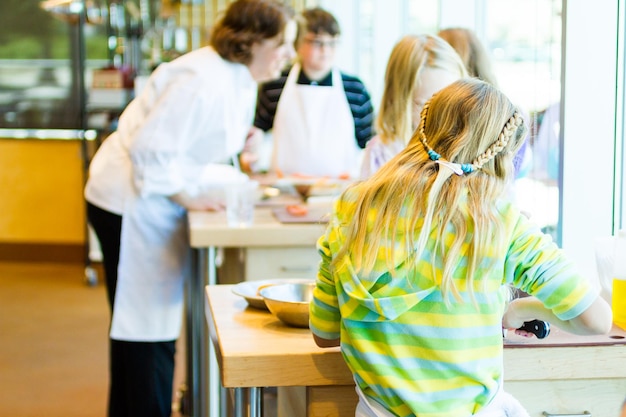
<point x="316" y="214"/>
<point x="558" y="337"/>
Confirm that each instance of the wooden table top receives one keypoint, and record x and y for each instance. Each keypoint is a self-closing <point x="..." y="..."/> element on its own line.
<point x="255" y="349"/>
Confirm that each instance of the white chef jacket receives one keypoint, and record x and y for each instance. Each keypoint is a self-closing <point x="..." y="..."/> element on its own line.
<point x="313" y="129"/>
<point x="193" y="113"/>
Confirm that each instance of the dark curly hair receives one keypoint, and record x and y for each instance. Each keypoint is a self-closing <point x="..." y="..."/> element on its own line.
<point x="245" y="23"/>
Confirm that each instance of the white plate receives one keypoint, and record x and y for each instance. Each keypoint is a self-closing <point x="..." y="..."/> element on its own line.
<point x="250" y="289"/>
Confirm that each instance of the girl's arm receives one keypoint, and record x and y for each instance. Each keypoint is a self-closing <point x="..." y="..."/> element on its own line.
<point x="597" y="319"/>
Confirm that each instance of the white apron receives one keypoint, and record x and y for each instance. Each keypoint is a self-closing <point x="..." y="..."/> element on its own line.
<point x="155" y="261"/>
<point x="149" y="294"/>
<point x="314" y="130"/>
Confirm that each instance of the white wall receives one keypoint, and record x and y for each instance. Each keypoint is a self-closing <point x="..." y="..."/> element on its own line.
<point x="588" y="120"/>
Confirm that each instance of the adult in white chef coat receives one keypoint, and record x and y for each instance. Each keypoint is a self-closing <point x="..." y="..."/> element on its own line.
<point x="320" y="117"/>
<point x="174" y="141"/>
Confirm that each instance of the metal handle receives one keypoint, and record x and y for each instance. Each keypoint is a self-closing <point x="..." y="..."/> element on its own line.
<point x="584" y="413"/>
<point x="46" y="134"/>
<point x="295" y="268"/>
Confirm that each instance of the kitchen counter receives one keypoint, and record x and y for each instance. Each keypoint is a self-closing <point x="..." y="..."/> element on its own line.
<point x="254" y="349"/>
<point x="211" y="229"/>
<point x="293" y="244"/>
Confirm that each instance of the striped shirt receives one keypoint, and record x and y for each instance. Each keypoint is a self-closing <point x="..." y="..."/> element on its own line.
<point x="358" y="98"/>
<point x="407" y="349"/>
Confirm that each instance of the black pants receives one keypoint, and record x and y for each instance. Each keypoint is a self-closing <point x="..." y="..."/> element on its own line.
<point x="142" y="373"/>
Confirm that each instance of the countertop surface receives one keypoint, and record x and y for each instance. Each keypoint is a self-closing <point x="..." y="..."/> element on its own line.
<point x="287" y="356"/>
<point x="211" y="229"/>
<point x="272" y="225"/>
<point x="254" y="348"/>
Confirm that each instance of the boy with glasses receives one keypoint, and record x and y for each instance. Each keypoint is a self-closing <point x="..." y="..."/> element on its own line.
<point x="320" y="118"/>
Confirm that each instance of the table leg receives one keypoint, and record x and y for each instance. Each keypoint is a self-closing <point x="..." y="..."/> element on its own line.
<point x="224" y="399"/>
<point x="198" y="351"/>
<point x="214" y="383"/>
<point x="240" y="402"/>
<point x="251" y="398"/>
<point x="256" y="401"/>
<point x="213" y="370"/>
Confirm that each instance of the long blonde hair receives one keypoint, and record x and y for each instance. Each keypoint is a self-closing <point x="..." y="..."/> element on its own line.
<point x="472" y="52"/>
<point x="469" y="122"/>
<point x="408" y="58"/>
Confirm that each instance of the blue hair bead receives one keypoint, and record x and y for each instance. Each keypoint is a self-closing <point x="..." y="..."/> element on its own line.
<point x="433" y="155"/>
<point x="467" y="168"/>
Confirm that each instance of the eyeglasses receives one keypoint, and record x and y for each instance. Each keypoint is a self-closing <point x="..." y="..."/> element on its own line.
<point x="319" y="43"/>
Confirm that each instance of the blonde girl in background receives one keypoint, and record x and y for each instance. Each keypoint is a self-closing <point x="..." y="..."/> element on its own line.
<point x="418" y="67"/>
<point x="418" y="259"/>
<point x="478" y="64"/>
<point x="472" y="53"/>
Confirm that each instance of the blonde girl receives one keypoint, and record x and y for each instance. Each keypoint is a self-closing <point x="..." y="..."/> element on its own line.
<point x="478" y="64"/>
<point x="472" y="52"/>
<point x="419" y="66"/>
<point x="417" y="262"/>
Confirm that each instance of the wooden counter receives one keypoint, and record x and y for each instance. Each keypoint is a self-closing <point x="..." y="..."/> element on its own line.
<point x="254" y="349"/>
<point x="265" y="242"/>
<point x="252" y="339"/>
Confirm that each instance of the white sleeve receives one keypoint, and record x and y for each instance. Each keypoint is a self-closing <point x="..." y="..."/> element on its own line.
<point x="168" y="132"/>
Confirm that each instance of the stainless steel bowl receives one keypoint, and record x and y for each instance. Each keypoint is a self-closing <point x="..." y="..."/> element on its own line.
<point x="250" y="290"/>
<point x="289" y="302"/>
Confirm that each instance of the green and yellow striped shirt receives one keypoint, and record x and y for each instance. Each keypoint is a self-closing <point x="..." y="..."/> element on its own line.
<point x="406" y="347"/>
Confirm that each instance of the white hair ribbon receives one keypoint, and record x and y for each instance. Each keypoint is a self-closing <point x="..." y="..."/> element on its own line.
<point x="454" y="167"/>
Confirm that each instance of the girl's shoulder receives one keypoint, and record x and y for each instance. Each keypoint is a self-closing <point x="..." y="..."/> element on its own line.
<point x="378" y="151"/>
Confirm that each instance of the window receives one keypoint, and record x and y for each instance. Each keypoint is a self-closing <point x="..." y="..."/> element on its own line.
<point x="542" y="57"/>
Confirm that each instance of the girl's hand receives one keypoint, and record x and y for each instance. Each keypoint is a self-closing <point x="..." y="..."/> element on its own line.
<point x="524" y="333"/>
<point x="516" y="315"/>
<point x="511" y="318"/>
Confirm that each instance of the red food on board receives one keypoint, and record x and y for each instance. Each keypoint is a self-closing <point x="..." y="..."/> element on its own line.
<point x="297" y="209"/>
<point x="344" y="176"/>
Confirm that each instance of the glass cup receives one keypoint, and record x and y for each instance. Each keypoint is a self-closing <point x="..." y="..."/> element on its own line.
<point x="240" y="200"/>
